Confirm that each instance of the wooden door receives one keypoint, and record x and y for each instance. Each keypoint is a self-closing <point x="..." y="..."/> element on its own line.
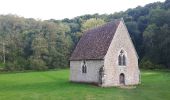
<point x="122" y="79"/>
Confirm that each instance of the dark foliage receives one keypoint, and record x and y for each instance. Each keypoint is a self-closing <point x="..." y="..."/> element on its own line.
<point x="40" y="45"/>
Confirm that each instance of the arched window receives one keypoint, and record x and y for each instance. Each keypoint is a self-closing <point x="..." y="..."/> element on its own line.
<point x="84" y="67"/>
<point x="122" y="58"/>
<point x="119" y="59"/>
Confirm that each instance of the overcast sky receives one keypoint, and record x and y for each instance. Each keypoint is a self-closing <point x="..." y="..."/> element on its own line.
<point x="59" y="9"/>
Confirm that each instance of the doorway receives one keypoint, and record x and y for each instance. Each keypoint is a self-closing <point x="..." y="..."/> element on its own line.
<point x="122" y="79"/>
<point x="101" y="74"/>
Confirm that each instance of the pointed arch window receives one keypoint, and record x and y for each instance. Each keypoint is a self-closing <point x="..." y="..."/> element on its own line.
<point x="84" y="67"/>
<point x="119" y="59"/>
<point x="122" y="59"/>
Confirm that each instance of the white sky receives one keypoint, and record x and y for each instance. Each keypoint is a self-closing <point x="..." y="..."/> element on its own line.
<point x="59" y="9"/>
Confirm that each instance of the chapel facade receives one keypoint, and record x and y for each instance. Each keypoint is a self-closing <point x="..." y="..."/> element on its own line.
<point x="105" y="56"/>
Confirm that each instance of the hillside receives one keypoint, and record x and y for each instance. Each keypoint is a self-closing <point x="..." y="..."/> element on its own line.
<point x="55" y="85"/>
<point x="29" y="44"/>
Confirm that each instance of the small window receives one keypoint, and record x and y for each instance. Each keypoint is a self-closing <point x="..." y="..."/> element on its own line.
<point x="119" y="59"/>
<point x="84" y="67"/>
<point x="122" y="58"/>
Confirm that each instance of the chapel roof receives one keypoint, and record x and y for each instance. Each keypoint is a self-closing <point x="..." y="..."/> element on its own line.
<point x="94" y="43"/>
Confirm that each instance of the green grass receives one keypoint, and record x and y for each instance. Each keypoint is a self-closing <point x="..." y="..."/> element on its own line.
<point x="54" y="85"/>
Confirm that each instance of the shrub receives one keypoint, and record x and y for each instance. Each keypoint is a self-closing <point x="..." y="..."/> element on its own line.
<point x="148" y="64"/>
<point x="18" y="64"/>
<point x="38" y="64"/>
<point x="2" y="66"/>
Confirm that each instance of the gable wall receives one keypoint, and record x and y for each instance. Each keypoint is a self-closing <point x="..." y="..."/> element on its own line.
<point x="120" y="41"/>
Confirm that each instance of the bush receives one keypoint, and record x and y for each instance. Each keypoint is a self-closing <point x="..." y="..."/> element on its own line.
<point x="159" y="66"/>
<point x="18" y="64"/>
<point x="2" y="66"/>
<point x="148" y="64"/>
<point x="12" y="66"/>
<point x="38" y="64"/>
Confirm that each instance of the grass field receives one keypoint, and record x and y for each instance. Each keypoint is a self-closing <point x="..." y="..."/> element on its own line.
<point x="54" y="85"/>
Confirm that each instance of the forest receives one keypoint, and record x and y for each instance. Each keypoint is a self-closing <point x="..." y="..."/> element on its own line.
<point x="33" y="44"/>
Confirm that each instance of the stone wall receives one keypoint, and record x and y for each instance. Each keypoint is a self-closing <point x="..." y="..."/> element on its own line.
<point x="112" y="70"/>
<point x="92" y="74"/>
<point x="121" y="41"/>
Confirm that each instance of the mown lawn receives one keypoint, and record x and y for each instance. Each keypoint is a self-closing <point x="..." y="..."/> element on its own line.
<point x="54" y="85"/>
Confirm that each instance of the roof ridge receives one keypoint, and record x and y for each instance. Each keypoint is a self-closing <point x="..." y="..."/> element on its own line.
<point x="119" y="19"/>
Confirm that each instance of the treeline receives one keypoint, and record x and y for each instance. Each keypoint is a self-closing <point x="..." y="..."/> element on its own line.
<point x="29" y="44"/>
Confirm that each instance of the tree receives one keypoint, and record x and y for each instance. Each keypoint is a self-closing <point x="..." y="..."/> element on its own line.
<point x="167" y="4"/>
<point x="91" y="23"/>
